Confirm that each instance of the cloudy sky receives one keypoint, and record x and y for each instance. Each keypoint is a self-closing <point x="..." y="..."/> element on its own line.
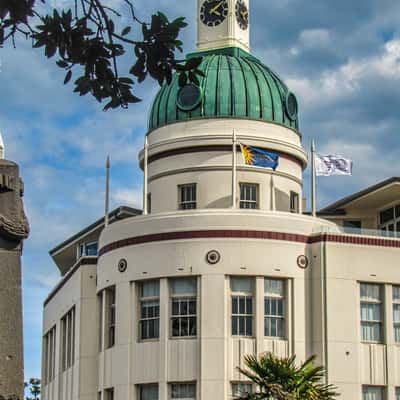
<point x="341" y="58"/>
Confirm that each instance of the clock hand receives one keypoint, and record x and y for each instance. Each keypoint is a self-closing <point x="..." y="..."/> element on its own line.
<point x="214" y="9"/>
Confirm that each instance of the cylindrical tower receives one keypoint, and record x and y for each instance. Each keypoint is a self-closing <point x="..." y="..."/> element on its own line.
<point x="207" y="278"/>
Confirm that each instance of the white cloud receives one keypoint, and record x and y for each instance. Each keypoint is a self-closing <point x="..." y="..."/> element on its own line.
<point x="129" y="197"/>
<point x="333" y="85"/>
<point x="314" y="38"/>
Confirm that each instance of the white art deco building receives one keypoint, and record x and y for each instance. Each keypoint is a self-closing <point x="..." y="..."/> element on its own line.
<point x="165" y="305"/>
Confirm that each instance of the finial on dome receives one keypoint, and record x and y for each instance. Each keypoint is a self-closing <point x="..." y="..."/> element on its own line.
<point x="2" y="148"/>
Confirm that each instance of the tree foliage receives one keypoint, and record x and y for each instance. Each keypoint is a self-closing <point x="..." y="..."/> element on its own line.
<point x="87" y="44"/>
<point x="34" y="388"/>
<point x="281" y="379"/>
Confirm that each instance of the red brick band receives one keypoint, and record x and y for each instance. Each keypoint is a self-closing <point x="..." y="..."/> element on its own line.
<point x="246" y="234"/>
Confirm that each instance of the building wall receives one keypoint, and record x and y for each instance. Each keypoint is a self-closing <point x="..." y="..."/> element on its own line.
<point x="80" y="380"/>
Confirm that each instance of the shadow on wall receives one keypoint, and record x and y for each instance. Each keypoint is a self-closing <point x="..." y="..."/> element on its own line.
<point x="282" y="201"/>
<point x="222" y="202"/>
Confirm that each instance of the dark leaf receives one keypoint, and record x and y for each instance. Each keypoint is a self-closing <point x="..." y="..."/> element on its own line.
<point x="67" y="77"/>
<point x="62" y="64"/>
<point x="182" y="79"/>
<point x="126" y="30"/>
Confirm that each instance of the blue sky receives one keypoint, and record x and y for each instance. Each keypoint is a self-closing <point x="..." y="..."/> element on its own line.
<point x="341" y="59"/>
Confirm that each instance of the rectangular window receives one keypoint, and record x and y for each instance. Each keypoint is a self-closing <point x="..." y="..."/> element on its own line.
<point x="68" y="340"/>
<point x="183" y="391"/>
<point x="148" y="392"/>
<point x="294" y="202"/>
<point x="110" y="316"/>
<point x="49" y="345"/>
<point x="373" y="392"/>
<point x="240" y="389"/>
<point x="88" y="249"/>
<point x="398" y="393"/>
<point x="187" y="196"/>
<point x="109" y="394"/>
<point x="248" y="195"/>
<point x="371" y="312"/>
<point x="183" y="307"/>
<point x="149" y="203"/>
<point x="351" y="226"/>
<point x="396" y="313"/>
<point x="274" y="308"/>
<point x="150" y="310"/>
<point x="101" y="317"/>
<point x="242" y="306"/>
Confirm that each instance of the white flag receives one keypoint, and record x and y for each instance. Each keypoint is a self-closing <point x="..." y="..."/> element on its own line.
<point x="332" y="164"/>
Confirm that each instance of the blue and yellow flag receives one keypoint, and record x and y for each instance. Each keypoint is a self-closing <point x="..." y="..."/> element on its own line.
<point x="259" y="158"/>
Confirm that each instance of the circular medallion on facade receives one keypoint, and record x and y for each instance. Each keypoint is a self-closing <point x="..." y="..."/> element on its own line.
<point x="213" y="257"/>
<point x="302" y="261"/>
<point x="122" y="265"/>
<point x="189" y="97"/>
<point x="291" y="106"/>
<point x="242" y="14"/>
<point x="213" y="12"/>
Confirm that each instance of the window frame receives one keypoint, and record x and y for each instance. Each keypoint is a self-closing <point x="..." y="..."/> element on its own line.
<point x="246" y="295"/>
<point x="146" y="385"/>
<point x="389" y="226"/>
<point x="396" y="324"/>
<point x="49" y="345"/>
<point x="147" y="299"/>
<point x="294" y="208"/>
<point x="109" y="393"/>
<point x="241" y="383"/>
<point x="190" y="383"/>
<point x="382" y="389"/>
<point x="275" y="296"/>
<point x="110" y="318"/>
<point x="244" y="201"/>
<point x="82" y="248"/>
<point x="379" y="302"/>
<point x="67" y="342"/>
<point x="187" y="204"/>
<point x="181" y="298"/>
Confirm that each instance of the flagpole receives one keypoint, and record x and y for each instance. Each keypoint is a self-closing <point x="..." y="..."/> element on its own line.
<point x="272" y="184"/>
<point x="107" y="199"/>
<point x="313" y="181"/>
<point x="234" y="159"/>
<point x="146" y="145"/>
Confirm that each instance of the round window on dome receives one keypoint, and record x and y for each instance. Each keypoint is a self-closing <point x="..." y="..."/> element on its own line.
<point x="291" y="106"/>
<point x="189" y="97"/>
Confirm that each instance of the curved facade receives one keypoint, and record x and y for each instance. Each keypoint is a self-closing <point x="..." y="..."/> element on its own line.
<point x="223" y="262"/>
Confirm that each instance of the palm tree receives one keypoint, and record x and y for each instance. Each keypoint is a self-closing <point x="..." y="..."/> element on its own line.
<point x="281" y="379"/>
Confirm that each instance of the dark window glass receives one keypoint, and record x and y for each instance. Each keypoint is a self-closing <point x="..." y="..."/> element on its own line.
<point x="189" y="97"/>
<point x="386" y="215"/>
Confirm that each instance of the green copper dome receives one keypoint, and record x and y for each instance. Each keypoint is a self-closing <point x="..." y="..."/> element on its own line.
<point x="236" y="85"/>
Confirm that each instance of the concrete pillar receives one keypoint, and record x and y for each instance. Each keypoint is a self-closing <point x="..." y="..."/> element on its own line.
<point x="13" y="229"/>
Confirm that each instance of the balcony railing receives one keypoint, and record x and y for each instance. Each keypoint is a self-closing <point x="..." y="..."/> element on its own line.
<point x="360" y="231"/>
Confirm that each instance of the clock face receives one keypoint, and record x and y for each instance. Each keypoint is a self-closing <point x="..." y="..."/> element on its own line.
<point x="213" y="12"/>
<point x="242" y="14"/>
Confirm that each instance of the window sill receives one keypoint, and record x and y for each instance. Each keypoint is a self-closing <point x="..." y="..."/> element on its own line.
<point x="183" y="337"/>
<point x="155" y="340"/>
<point x="242" y="337"/>
<point x="371" y="342"/>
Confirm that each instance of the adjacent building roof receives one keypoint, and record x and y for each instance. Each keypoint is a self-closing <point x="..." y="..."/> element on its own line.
<point x="65" y="254"/>
<point x="372" y="192"/>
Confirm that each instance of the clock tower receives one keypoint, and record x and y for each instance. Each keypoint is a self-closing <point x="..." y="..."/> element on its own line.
<point x="223" y="23"/>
